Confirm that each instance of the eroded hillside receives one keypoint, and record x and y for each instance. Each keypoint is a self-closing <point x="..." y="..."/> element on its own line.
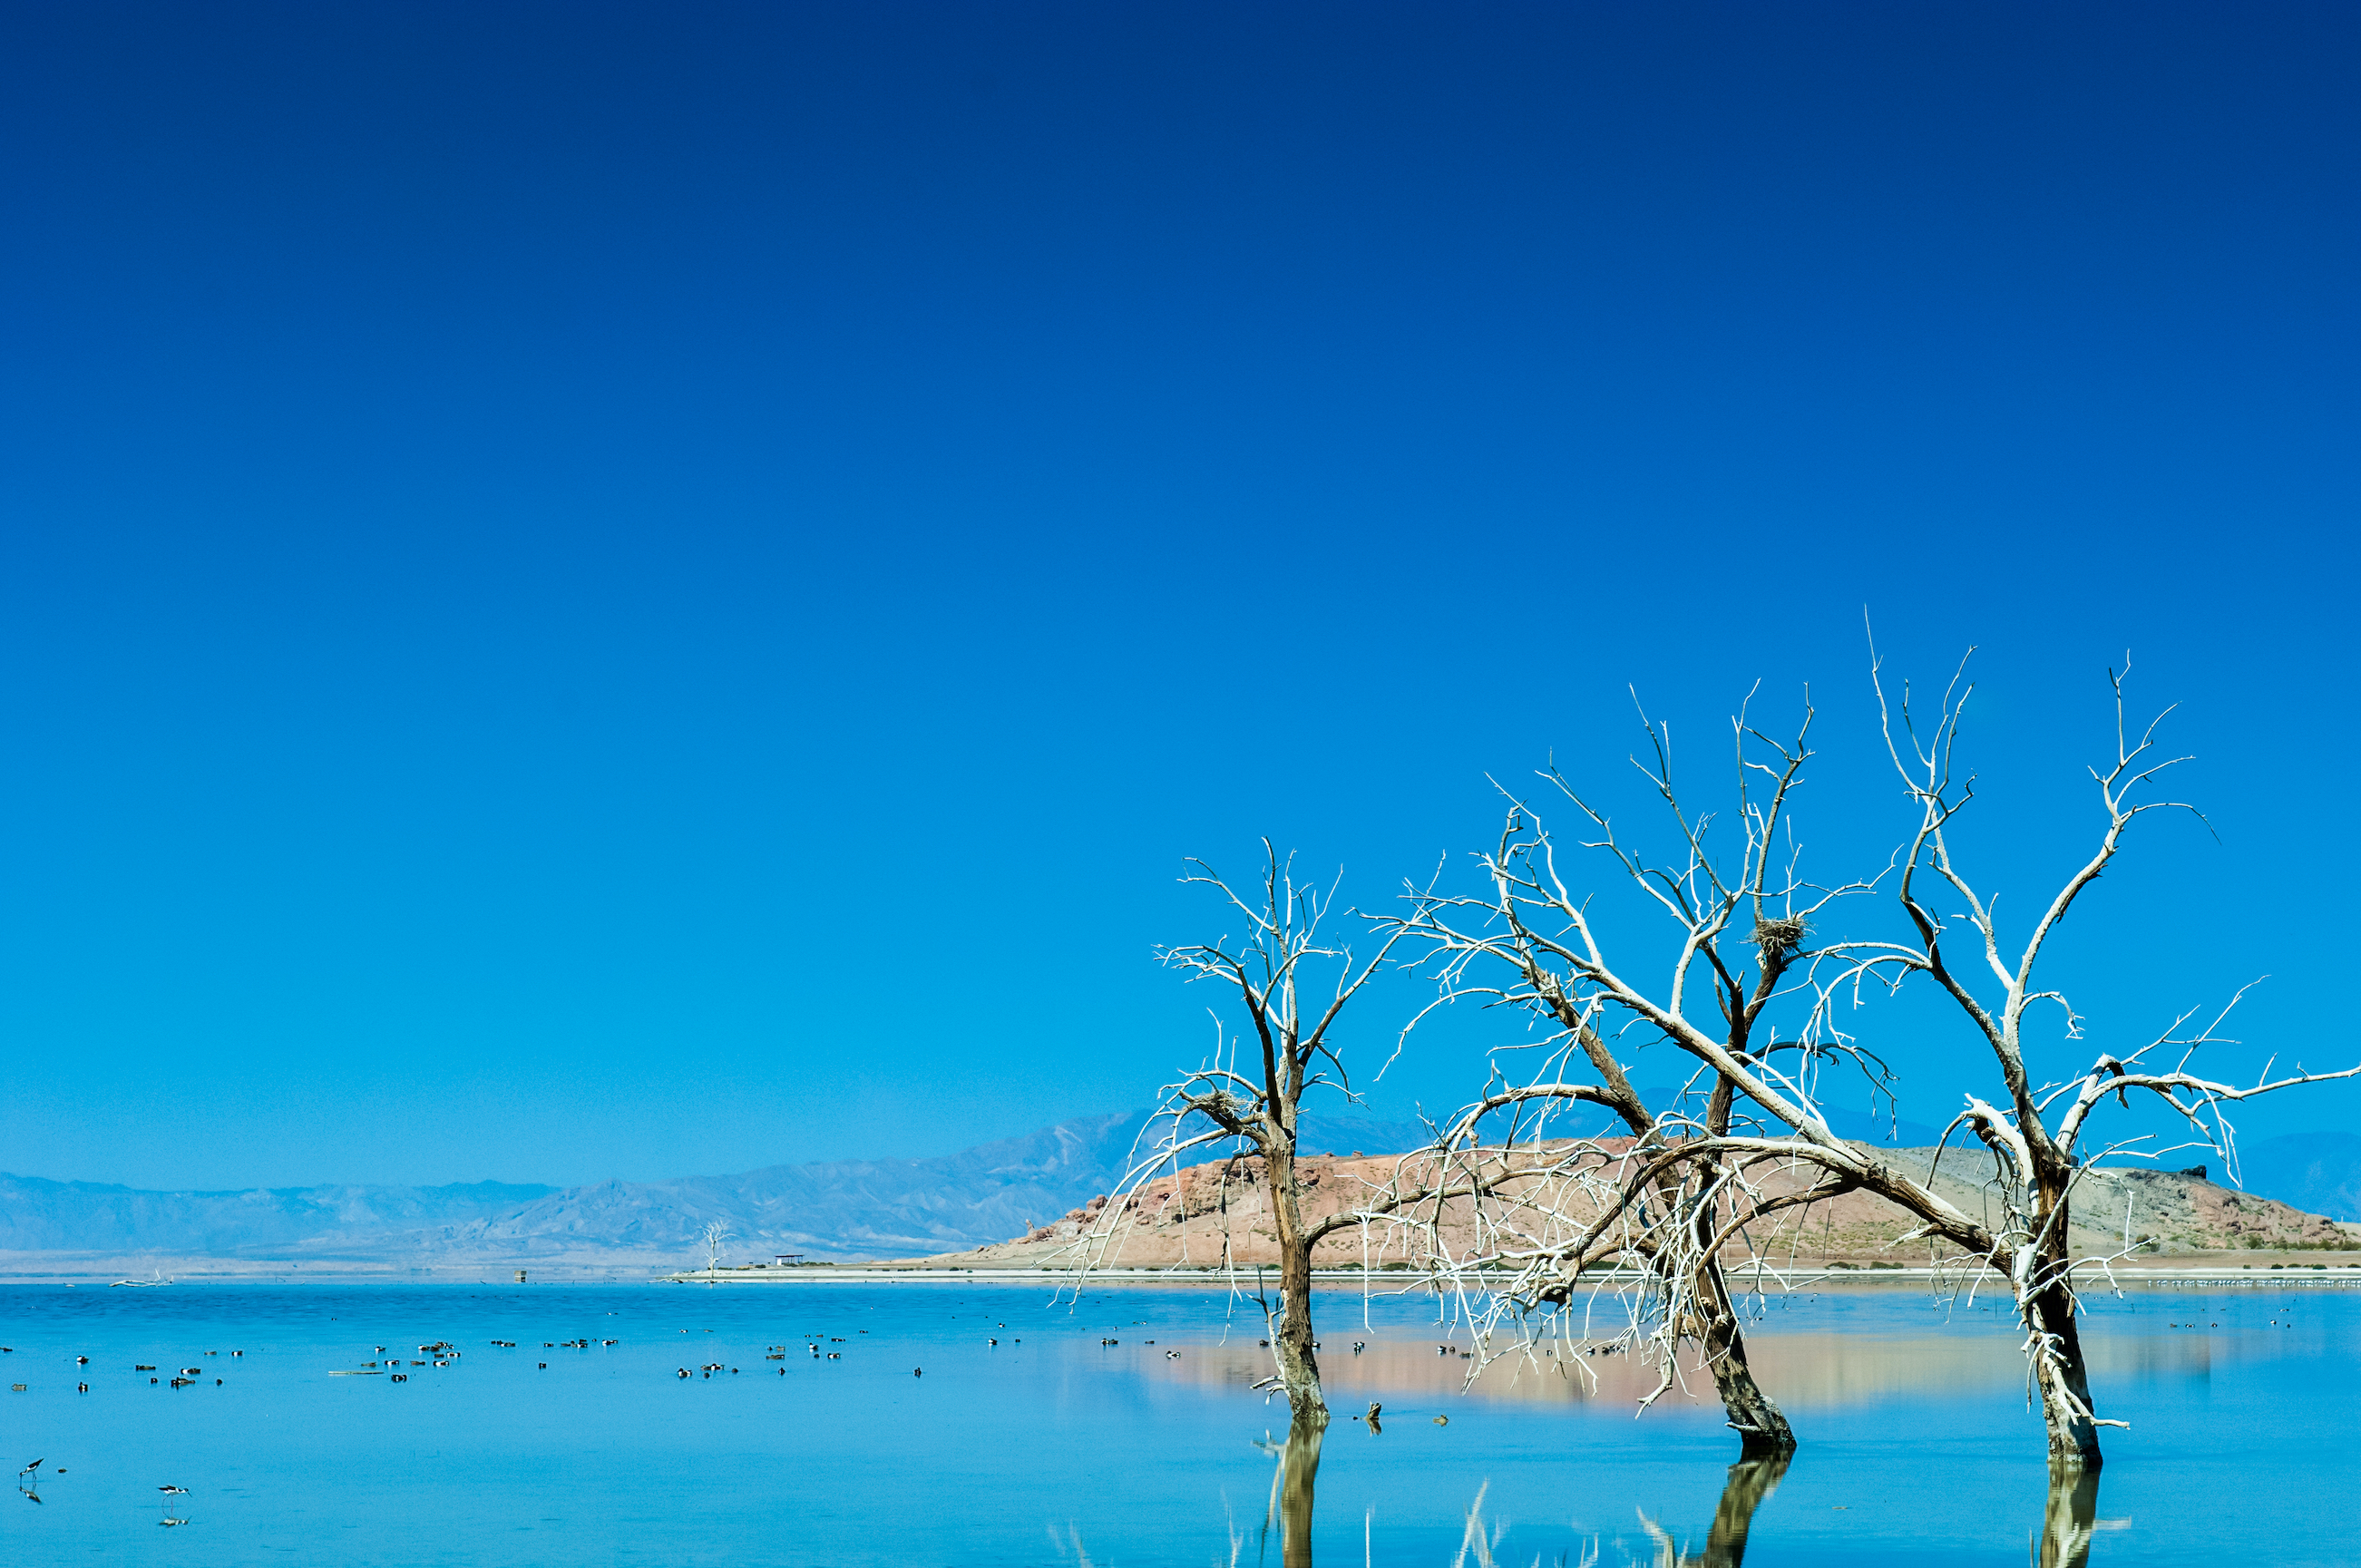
<point x="1214" y="1212"/>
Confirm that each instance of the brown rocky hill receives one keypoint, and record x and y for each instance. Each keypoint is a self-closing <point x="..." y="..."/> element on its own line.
<point x="1200" y="1216"/>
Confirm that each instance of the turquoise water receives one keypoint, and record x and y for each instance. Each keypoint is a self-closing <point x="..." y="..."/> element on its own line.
<point x="1061" y="1450"/>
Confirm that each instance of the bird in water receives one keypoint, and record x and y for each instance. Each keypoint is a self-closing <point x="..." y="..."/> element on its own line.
<point x="173" y="1491"/>
<point x="1442" y="1421"/>
<point x="917" y="1372"/>
<point x="1375" y="1425"/>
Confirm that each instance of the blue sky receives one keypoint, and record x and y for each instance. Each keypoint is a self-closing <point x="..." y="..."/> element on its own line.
<point x="624" y="591"/>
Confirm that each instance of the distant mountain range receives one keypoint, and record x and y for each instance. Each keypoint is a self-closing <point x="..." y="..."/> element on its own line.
<point x="840" y="1208"/>
<point x="832" y="1210"/>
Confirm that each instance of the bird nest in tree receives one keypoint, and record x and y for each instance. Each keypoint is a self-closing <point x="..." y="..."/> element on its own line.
<point x="1782" y="934"/>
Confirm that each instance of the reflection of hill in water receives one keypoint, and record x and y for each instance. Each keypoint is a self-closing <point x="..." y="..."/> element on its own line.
<point x="1803" y="1371"/>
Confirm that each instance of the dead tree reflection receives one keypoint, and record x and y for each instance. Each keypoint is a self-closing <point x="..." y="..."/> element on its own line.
<point x="1291" y="1480"/>
<point x="2069" y="1521"/>
<point x="1751" y="1484"/>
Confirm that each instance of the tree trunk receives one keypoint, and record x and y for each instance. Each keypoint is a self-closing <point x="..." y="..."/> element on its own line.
<point x="1290" y="1339"/>
<point x="2059" y="1373"/>
<point x="1762" y="1430"/>
<point x="2050" y="1318"/>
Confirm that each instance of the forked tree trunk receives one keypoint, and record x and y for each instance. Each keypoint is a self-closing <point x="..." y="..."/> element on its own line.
<point x="1762" y="1430"/>
<point x="1290" y="1340"/>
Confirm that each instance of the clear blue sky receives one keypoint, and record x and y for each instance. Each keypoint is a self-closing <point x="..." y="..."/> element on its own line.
<point x="636" y="590"/>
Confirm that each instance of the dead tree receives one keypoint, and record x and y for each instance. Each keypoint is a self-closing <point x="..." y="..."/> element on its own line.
<point x="1249" y="1094"/>
<point x="1548" y="1212"/>
<point x="2036" y="1133"/>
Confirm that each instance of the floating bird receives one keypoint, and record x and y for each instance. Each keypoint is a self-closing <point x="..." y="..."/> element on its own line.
<point x="917" y="1372"/>
<point x="1442" y="1421"/>
<point x="992" y="1341"/>
<point x="173" y="1491"/>
<point x="1172" y="1356"/>
<point x="81" y="1361"/>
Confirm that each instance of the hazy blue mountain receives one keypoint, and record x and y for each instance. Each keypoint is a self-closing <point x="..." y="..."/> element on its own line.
<point x="37" y="1215"/>
<point x="888" y="1208"/>
<point x="885" y="1208"/>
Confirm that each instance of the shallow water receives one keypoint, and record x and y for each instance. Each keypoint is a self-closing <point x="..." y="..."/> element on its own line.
<point x="1053" y="1448"/>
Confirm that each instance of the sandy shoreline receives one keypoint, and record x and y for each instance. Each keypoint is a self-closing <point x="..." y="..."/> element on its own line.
<point x="2253" y="1268"/>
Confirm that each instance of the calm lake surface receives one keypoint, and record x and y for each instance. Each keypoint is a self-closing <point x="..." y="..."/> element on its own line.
<point x="1917" y="1443"/>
